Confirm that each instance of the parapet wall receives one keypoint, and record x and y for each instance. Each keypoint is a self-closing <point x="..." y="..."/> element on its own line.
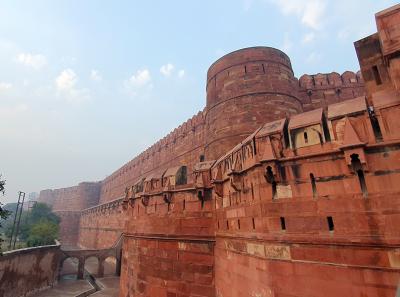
<point x="76" y="198"/>
<point x="322" y="89"/>
<point x="100" y="226"/>
<point x="25" y="271"/>
<point x="184" y="145"/>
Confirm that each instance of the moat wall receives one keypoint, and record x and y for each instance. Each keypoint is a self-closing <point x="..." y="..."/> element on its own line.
<point x="28" y="270"/>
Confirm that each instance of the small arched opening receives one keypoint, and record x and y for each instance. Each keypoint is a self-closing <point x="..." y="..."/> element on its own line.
<point x="358" y="170"/>
<point x="69" y="268"/>
<point x="110" y="266"/>
<point x="271" y="179"/>
<point x="91" y="266"/>
<point x="305" y="137"/>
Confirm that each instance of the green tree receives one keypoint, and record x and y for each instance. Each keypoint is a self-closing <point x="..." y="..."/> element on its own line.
<point x="42" y="233"/>
<point x="3" y="212"/>
<point x="38" y="226"/>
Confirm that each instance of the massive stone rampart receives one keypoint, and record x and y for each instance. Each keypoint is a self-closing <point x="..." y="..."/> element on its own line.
<point x="280" y="187"/>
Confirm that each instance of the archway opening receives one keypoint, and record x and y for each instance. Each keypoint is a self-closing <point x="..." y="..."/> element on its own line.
<point x="69" y="269"/>
<point x="91" y="266"/>
<point x="110" y="266"/>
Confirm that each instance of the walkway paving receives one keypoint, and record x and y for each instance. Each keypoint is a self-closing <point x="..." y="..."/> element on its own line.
<point x="68" y="288"/>
<point x="109" y="285"/>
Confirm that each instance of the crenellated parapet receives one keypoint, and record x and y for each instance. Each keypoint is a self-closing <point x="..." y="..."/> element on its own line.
<point x="183" y="145"/>
<point x="75" y="198"/>
<point x="322" y="89"/>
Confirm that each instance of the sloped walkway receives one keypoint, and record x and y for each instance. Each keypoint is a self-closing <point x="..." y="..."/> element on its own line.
<point x="68" y="288"/>
<point x="109" y="287"/>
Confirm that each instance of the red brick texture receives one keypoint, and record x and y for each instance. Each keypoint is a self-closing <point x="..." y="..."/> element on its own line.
<point x="296" y="194"/>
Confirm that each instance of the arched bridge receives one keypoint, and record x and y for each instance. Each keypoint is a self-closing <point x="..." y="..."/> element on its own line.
<point x="102" y="254"/>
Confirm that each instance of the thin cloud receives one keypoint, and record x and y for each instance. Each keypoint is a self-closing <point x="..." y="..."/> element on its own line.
<point x="167" y="69"/>
<point x="310" y="12"/>
<point x="140" y="79"/>
<point x="139" y="83"/>
<point x="31" y="60"/>
<point x="66" y="80"/>
<point x="95" y="75"/>
<point x="4" y="86"/>
<point x="66" y="87"/>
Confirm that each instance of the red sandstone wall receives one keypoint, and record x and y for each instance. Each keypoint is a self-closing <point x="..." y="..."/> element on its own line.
<point x="26" y="271"/>
<point x="256" y="256"/>
<point x="69" y="227"/>
<point x="76" y="198"/>
<point x="101" y="226"/>
<point x="183" y="146"/>
<point x="320" y="90"/>
<point x="67" y="203"/>
<point x="245" y="89"/>
<point x="169" y="249"/>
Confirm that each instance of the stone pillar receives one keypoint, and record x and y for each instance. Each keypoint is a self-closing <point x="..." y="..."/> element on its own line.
<point x="118" y="267"/>
<point x="81" y="268"/>
<point x="100" y="271"/>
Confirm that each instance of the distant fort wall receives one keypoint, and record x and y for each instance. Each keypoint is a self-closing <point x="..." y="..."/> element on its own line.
<point x="184" y="145"/>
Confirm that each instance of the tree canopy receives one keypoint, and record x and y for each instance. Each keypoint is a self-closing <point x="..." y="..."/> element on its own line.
<point x="38" y="226"/>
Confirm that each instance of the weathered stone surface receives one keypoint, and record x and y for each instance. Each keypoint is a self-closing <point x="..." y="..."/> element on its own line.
<point x="28" y="270"/>
<point x="301" y="200"/>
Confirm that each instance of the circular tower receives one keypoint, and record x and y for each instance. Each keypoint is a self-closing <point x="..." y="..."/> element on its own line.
<point x="245" y="89"/>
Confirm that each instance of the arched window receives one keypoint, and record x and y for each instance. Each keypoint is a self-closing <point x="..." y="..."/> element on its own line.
<point x="313" y="185"/>
<point x="357" y="167"/>
<point x="305" y="137"/>
<point x="271" y="179"/>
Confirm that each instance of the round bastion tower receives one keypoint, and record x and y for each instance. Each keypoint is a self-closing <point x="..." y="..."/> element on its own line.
<point x="245" y="89"/>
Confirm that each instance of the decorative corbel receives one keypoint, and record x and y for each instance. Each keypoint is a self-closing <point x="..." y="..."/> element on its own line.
<point x="235" y="180"/>
<point x="145" y="200"/>
<point x="167" y="196"/>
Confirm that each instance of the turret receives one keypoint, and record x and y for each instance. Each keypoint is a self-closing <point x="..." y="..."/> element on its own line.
<point x="245" y="89"/>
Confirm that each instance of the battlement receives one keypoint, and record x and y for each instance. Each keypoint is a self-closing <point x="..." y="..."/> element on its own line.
<point x="183" y="144"/>
<point x="330" y="80"/>
<point x="75" y="198"/>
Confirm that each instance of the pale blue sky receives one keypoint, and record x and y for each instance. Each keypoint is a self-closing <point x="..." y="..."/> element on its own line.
<point x="87" y="85"/>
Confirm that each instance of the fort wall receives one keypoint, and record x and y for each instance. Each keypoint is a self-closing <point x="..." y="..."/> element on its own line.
<point x="169" y="243"/>
<point x="101" y="226"/>
<point x="323" y="89"/>
<point x="245" y="89"/>
<point x="184" y="145"/>
<point x="278" y="183"/>
<point x="76" y="198"/>
<point x="25" y="271"/>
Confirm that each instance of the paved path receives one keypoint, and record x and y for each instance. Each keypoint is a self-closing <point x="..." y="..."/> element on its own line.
<point x="67" y="288"/>
<point x="109" y="285"/>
